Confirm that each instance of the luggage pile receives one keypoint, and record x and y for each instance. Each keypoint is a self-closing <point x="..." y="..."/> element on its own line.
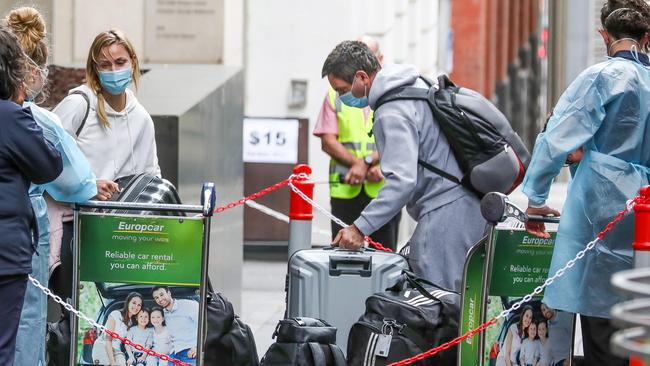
<point x="326" y="292"/>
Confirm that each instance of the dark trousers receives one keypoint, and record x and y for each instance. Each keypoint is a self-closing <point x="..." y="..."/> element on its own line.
<point x="596" y="333"/>
<point x="12" y="295"/>
<point x="61" y="279"/>
<point x="349" y="210"/>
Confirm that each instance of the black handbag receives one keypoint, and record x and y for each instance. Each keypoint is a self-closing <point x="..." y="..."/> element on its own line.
<point x="407" y="319"/>
<point x="304" y="342"/>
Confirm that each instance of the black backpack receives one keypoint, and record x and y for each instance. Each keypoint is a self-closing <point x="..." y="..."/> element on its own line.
<point x="407" y="319"/>
<point x="304" y="342"/>
<point x="229" y="342"/>
<point x="489" y="152"/>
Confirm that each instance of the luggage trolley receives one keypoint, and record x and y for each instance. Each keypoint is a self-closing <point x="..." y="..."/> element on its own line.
<point x="122" y="248"/>
<point x="500" y="269"/>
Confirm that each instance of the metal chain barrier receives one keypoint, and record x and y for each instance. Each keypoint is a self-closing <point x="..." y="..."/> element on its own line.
<point x="538" y="290"/>
<point x="102" y="328"/>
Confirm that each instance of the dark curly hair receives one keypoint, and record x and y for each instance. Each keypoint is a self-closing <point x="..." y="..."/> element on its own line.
<point x="626" y="19"/>
<point x="626" y="22"/>
<point x="610" y="5"/>
<point x="347" y="58"/>
<point x="12" y="64"/>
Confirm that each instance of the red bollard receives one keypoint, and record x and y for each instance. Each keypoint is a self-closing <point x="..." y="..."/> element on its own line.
<point x="634" y="361"/>
<point x="301" y="211"/>
<point x="641" y="243"/>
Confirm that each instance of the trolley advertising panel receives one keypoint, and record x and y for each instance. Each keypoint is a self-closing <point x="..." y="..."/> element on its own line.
<point x="144" y="278"/>
<point x="499" y="272"/>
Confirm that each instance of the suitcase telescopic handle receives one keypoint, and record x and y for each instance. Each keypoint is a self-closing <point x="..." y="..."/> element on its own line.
<point x="361" y="266"/>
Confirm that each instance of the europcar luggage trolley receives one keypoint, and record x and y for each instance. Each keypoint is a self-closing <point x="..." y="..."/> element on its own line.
<point x="122" y="250"/>
<point x="502" y="268"/>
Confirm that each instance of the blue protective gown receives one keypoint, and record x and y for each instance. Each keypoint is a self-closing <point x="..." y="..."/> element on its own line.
<point x="75" y="184"/>
<point x="606" y="110"/>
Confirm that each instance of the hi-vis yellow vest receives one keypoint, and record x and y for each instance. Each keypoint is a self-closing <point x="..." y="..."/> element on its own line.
<point x="353" y="134"/>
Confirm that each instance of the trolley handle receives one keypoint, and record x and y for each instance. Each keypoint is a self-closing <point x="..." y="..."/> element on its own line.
<point x="495" y="208"/>
<point x="547" y="219"/>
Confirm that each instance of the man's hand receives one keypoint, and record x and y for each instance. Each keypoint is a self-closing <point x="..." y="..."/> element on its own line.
<point x="105" y="189"/>
<point x="374" y="174"/>
<point x="538" y="228"/>
<point x="349" y="238"/>
<point x="192" y="352"/>
<point x="357" y="173"/>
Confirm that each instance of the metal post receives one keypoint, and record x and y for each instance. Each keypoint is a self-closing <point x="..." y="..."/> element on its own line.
<point x="300" y="212"/>
<point x="641" y="243"/>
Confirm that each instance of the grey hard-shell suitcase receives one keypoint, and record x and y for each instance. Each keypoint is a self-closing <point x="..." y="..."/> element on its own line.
<point x="333" y="284"/>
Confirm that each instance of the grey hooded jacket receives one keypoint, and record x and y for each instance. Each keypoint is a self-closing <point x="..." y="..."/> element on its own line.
<point x="406" y="131"/>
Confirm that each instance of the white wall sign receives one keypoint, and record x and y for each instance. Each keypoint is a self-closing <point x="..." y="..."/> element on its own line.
<point x="270" y="140"/>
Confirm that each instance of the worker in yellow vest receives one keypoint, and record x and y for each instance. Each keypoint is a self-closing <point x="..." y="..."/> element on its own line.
<point x="354" y="174"/>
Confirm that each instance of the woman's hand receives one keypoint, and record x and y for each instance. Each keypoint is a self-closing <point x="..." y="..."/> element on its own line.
<point x="105" y="189"/>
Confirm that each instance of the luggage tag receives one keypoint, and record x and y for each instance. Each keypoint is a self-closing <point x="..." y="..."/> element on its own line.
<point x="383" y="345"/>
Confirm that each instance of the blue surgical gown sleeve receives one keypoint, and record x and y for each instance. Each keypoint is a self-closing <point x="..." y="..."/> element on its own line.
<point x="576" y="118"/>
<point x="76" y="183"/>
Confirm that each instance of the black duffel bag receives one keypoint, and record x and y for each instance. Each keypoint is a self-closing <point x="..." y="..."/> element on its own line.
<point x="409" y="318"/>
<point x="229" y="342"/>
<point x="304" y="342"/>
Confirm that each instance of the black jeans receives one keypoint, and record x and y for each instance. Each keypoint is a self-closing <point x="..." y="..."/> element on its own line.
<point x="61" y="279"/>
<point x="12" y="296"/>
<point x="596" y="333"/>
<point x="349" y="210"/>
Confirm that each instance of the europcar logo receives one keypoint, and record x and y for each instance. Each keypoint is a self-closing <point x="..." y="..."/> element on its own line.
<point x="533" y="241"/>
<point x="125" y="227"/>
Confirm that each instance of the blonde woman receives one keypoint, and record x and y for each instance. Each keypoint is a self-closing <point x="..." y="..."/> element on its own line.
<point x="111" y="127"/>
<point x="117" y="136"/>
<point x="76" y="183"/>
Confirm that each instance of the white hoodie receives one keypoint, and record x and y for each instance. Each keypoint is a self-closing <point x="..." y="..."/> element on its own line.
<point x="127" y="147"/>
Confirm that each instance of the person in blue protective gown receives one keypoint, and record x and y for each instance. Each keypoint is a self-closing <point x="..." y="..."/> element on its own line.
<point x="76" y="183"/>
<point x="606" y="112"/>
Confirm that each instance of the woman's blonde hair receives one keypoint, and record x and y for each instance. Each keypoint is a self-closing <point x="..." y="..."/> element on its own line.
<point x="29" y="27"/>
<point x="106" y="39"/>
<point x="30" y="30"/>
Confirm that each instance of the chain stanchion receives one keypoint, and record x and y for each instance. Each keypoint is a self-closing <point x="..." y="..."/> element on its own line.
<point x="338" y="221"/>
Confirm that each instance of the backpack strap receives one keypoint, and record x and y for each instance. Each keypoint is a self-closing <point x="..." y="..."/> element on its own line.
<point x="83" y="122"/>
<point x="413" y="93"/>
<point x="337" y="354"/>
<point x="317" y="354"/>
<point x="403" y="93"/>
<point x="440" y="172"/>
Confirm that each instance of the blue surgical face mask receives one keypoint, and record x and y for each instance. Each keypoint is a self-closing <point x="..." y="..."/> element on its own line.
<point x="352" y="101"/>
<point x="115" y="82"/>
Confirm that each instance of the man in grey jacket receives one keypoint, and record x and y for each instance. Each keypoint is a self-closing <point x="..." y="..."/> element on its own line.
<point x="448" y="215"/>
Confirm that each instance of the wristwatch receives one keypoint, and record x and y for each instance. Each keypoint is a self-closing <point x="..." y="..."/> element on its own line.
<point x="368" y="160"/>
